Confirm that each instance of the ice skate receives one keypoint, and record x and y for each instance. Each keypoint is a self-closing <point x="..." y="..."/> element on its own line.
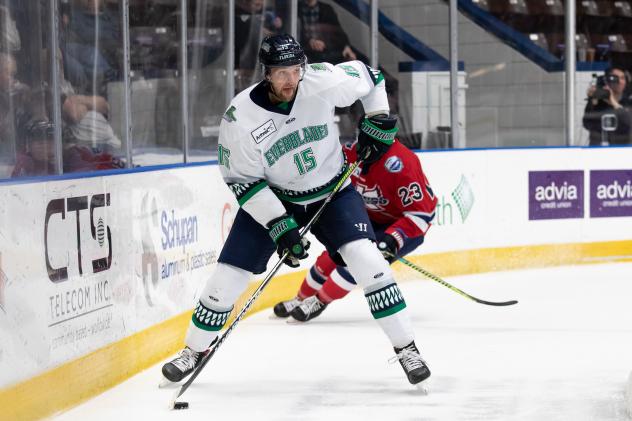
<point x="308" y="309"/>
<point x="414" y="366"/>
<point x="284" y="308"/>
<point x="181" y="366"/>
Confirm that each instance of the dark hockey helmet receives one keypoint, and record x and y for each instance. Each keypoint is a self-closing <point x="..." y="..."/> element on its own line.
<point x="281" y="50"/>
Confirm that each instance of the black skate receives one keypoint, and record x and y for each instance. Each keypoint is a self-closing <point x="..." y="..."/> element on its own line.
<point x="414" y="366"/>
<point x="284" y="308"/>
<point x="308" y="309"/>
<point x="183" y="365"/>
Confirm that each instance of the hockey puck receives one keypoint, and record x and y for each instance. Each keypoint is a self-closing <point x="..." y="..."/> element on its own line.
<point x="181" y="405"/>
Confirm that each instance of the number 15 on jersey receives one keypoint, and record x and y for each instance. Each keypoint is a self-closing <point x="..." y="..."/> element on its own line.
<point x="305" y="161"/>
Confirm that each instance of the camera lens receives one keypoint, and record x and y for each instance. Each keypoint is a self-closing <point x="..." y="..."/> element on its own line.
<point x="612" y="79"/>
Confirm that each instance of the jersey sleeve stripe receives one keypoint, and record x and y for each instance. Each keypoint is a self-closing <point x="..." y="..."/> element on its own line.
<point x="428" y="217"/>
<point x="420" y="219"/>
<point x="244" y="191"/>
<point x="375" y="74"/>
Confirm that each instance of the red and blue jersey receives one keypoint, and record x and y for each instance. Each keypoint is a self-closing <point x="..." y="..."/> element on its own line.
<point x="396" y="192"/>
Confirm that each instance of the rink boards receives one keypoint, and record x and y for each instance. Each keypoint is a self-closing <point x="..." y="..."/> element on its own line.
<point x="98" y="274"/>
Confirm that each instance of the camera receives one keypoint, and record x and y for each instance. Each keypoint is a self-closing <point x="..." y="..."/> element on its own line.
<point x="603" y="81"/>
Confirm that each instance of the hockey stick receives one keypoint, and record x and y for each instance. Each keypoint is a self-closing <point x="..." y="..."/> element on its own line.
<point x="452" y="287"/>
<point x="258" y="291"/>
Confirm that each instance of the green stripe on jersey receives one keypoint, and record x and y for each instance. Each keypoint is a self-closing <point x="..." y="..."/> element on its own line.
<point x="297" y="197"/>
<point x="315" y="193"/>
<point x="244" y="191"/>
<point x="376" y="74"/>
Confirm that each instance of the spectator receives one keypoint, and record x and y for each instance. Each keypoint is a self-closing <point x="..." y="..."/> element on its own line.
<point x="321" y="33"/>
<point x="82" y="158"/>
<point x="16" y="104"/>
<point x="9" y="35"/>
<point x="91" y="44"/>
<point x="85" y="121"/>
<point x="252" y="24"/>
<point x="88" y="137"/>
<point x="85" y="118"/>
<point x="37" y="156"/>
<point x="9" y="87"/>
<point x="609" y="95"/>
<point x="154" y="41"/>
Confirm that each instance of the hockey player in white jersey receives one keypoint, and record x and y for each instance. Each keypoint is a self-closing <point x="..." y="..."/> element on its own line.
<point x="279" y="155"/>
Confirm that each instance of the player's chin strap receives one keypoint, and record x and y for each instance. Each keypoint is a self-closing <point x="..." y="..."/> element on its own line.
<point x="452" y="287"/>
<point x="263" y="284"/>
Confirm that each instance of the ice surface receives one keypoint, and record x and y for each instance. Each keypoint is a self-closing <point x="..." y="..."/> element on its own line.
<point x="563" y="353"/>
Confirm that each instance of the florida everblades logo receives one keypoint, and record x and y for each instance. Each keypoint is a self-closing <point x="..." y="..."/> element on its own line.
<point x="229" y="115"/>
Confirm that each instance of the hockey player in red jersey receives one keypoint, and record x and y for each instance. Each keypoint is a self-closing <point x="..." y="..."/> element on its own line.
<point x="401" y="206"/>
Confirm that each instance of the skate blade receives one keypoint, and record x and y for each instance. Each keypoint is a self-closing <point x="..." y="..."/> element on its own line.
<point x="293" y="321"/>
<point x="275" y="317"/>
<point x="423" y="388"/>
<point x="166" y="383"/>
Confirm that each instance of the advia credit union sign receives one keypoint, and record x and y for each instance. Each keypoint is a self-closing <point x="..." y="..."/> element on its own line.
<point x="556" y="194"/>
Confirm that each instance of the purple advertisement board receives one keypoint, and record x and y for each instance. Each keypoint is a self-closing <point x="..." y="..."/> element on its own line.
<point x="556" y="194"/>
<point x="610" y="193"/>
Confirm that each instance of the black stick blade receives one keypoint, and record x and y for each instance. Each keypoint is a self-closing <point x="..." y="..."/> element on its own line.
<point x="495" y="303"/>
<point x="181" y="405"/>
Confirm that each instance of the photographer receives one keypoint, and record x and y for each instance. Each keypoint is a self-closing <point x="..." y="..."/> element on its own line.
<point x="609" y="95"/>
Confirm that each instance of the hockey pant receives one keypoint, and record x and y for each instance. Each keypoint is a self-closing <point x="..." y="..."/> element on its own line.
<point x="365" y="263"/>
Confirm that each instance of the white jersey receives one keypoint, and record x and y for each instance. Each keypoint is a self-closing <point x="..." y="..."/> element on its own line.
<point x="291" y="152"/>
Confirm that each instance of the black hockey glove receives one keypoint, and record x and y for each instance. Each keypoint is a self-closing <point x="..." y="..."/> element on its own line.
<point x="377" y="134"/>
<point x="389" y="247"/>
<point x="285" y="233"/>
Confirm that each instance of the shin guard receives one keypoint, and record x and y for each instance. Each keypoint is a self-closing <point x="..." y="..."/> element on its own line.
<point x="215" y="305"/>
<point x="386" y="302"/>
